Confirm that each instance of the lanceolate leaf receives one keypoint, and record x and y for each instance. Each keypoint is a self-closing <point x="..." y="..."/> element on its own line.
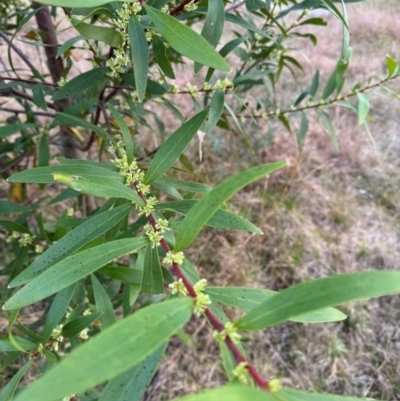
<point x="172" y="148"/>
<point x="98" y="186"/>
<point x="10" y="129"/>
<point x="103" y="303"/>
<point x="248" y="298"/>
<point x="123" y="346"/>
<point x="222" y="219"/>
<point x="216" y="108"/>
<point x="186" y="41"/>
<point x="153" y="282"/>
<point x="80" y="83"/>
<point x="313" y="295"/>
<point x="8" y="391"/>
<point x="131" y="385"/>
<point x="139" y="54"/>
<point x="71" y="242"/>
<point x="72" y="269"/>
<point x="232" y="392"/>
<point x="188" y="186"/>
<point x="214" y="23"/>
<point x="201" y="213"/>
<point x="363" y="108"/>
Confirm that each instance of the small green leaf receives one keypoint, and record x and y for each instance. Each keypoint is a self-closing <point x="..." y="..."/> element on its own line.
<point x="301" y="135"/>
<point x="160" y="55"/>
<point x="231" y="392"/>
<point x="363" y="108"/>
<point x="216" y="109"/>
<point x="391" y="65"/>
<point x="248" y="298"/>
<point x="314" y="84"/>
<point x="131" y="385"/>
<point x="103" y="303"/>
<point x="171" y="149"/>
<point x="206" y="207"/>
<point x="74" y="327"/>
<point x="188" y="186"/>
<point x="124" y="345"/>
<point x="80" y="83"/>
<point x="68" y="44"/>
<point x="64" y="118"/>
<point x="221" y="220"/>
<point x="317" y="294"/>
<point x="75" y="239"/>
<point x="11" y="129"/>
<point x="139" y="54"/>
<point x="38" y="96"/>
<point x="57" y="311"/>
<point x="72" y="269"/>
<point x="186" y="41"/>
<point x="104" y="34"/>
<point x="7" y="207"/>
<point x="98" y="186"/>
<point x="8" y="391"/>
<point x="43" y="151"/>
<point x="126" y="135"/>
<point x="153" y="282"/>
<point x="7" y="346"/>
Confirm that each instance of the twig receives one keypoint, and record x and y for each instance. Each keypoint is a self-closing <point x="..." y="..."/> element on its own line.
<point x="37" y="113"/>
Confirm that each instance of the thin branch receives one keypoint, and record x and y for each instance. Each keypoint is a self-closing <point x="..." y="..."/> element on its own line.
<point x="36" y="113"/>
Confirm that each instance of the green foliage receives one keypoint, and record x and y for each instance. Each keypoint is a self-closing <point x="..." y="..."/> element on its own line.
<point x="110" y="273"/>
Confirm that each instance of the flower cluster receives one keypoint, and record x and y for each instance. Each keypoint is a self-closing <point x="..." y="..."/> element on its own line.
<point x="202" y="300"/>
<point x="274" y="385"/>
<point x="224" y="84"/>
<point x="229" y="331"/>
<point x="240" y="372"/>
<point x="191" y="6"/>
<point x="24" y="239"/>
<point x="120" y="58"/>
<point x="173" y="257"/>
<point x="178" y="288"/>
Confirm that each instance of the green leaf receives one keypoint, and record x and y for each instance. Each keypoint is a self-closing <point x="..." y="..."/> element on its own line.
<point x="7" y="346"/>
<point x="8" y="391"/>
<point x="160" y="55"/>
<point x="68" y="44"/>
<point x="11" y="129"/>
<point x="248" y="298"/>
<point x="221" y="220"/>
<point x="72" y="269"/>
<point x="7" y="207"/>
<point x="301" y="135"/>
<point x="171" y="149"/>
<point x="188" y="186"/>
<point x="43" y="151"/>
<point x="206" y="207"/>
<point x="80" y="83"/>
<point x="103" y="303"/>
<point x="104" y="34"/>
<point x="64" y="118"/>
<point x="57" y="311"/>
<point x="216" y="109"/>
<point x="38" y="96"/>
<point x="253" y="5"/>
<point x="214" y="23"/>
<point x="289" y="394"/>
<point x="98" y="186"/>
<point x="153" y="282"/>
<point x="131" y="385"/>
<point x="317" y="294"/>
<point x="391" y="65"/>
<point x="74" y="327"/>
<point x="123" y="346"/>
<point x="314" y="84"/>
<point x="139" y="54"/>
<point x="363" y="108"/>
<point x="44" y="175"/>
<point x="232" y="392"/>
<point x="126" y="274"/>
<point x="186" y="41"/>
<point x="71" y="242"/>
<point x="126" y="135"/>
